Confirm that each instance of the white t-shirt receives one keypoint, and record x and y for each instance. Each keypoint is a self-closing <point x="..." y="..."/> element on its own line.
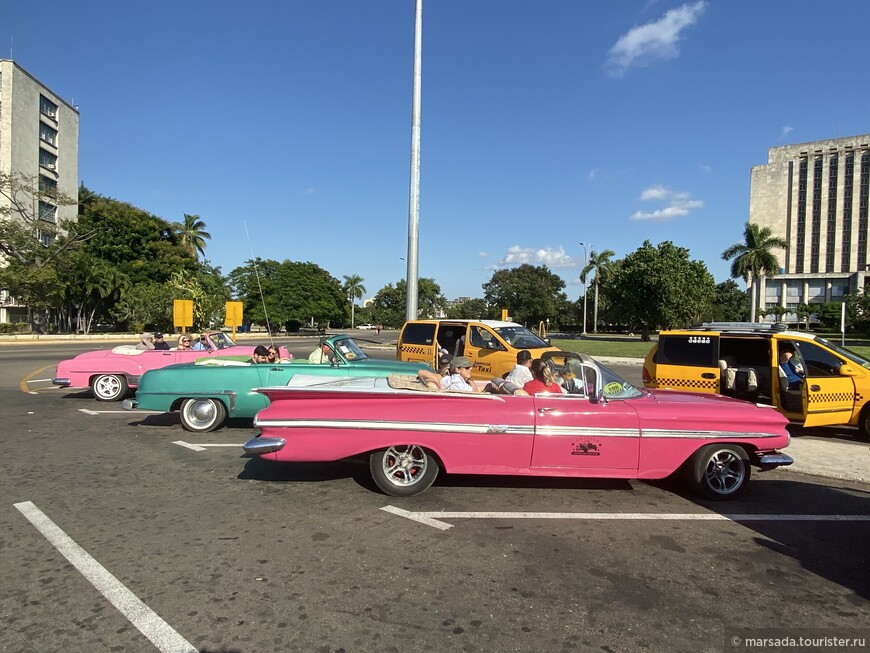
<point x="520" y="375"/>
<point x="455" y="382"/>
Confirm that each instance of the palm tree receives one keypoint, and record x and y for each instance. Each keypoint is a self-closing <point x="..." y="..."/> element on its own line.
<point x="355" y="290"/>
<point x="598" y="263"/>
<point x="752" y="258"/>
<point x="192" y="234"/>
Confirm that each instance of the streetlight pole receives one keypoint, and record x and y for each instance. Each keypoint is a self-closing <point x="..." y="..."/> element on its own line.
<point x="414" y="194"/>
<point x="585" y="285"/>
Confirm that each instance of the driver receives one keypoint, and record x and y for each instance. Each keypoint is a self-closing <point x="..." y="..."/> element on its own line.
<point x="323" y="354"/>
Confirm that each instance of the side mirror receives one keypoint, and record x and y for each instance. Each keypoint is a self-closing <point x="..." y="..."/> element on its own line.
<point x="847" y="370"/>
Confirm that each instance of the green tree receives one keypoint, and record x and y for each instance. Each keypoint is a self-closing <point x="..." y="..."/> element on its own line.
<point x="530" y="293"/>
<point x="354" y="289"/>
<point x="472" y="309"/>
<point x="288" y="293"/>
<point x="192" y="234"/>
<point x="388" y="305"/>
<point x="145" y="303"/>
<point x="731" y="304"/>
<point x="658" y="287"/>
<point x="753" y="259"/>
<point x="598" y="265"/>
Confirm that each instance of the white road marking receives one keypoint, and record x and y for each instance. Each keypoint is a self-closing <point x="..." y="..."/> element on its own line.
<point x="434" y="518"/>
<point x="148" y="622"/>
<point x="203" y="447"/>
<point x="88" y="411"/>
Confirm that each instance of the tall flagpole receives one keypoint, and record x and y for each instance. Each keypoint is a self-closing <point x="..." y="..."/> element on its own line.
<point x="414" y="199"/>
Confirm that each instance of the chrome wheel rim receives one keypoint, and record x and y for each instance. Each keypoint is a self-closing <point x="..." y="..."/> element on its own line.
<point x="107" y="387"/>
<point x="404" y="465"/>
<point x="725" y="472"/>
<point x="200" y="413"/>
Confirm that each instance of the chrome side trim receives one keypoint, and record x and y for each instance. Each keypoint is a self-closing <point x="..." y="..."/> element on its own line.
<point x="703" y="435"/>
<point x="369" y="425"/>
<point x="263" y="445"/>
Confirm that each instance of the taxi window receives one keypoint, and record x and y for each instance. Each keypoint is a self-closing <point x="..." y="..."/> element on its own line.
<point x="418" y="334"/>
<point x="484" y="339"/>
<point x="697" y="350"/>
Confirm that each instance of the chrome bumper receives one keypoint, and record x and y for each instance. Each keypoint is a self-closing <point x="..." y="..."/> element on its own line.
<point x="64" y="383"/>
<point x="773" y="460"/>
<point x="263" y="445"/>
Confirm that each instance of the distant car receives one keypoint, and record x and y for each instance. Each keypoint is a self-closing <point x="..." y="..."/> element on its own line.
<point x="209" y="391"/>
<point x="366" y="326"/>
<point x="111" y="373"/>
<point x="603" y="428"/>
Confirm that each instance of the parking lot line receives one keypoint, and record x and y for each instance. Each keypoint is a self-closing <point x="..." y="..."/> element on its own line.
<point x="203" y="447"/>
<point x="148" y="622"/>
<point x="434" y="518"/>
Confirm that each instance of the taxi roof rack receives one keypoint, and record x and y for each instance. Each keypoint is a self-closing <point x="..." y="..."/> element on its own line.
<point x="747" y="327"/>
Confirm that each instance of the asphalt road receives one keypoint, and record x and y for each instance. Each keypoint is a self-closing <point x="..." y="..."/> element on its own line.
<point x="234" y="554"/>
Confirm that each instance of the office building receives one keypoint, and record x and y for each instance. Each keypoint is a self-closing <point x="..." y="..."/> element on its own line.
<point x="814" y="195"/>
<point x="39" y="138"/>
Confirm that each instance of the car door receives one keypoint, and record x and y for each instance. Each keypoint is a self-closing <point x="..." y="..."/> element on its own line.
<point x="688" y="361"/>
<point x="828" y="396"/>
<point x="576" y="432"/>
<point x="486" y="352"/>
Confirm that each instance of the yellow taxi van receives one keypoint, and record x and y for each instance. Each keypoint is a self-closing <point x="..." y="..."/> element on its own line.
<point x="491" y="345"/>
<point x="742" y="359"/>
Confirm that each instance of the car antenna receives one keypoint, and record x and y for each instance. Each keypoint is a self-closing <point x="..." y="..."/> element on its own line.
<point x="259" y="285"/>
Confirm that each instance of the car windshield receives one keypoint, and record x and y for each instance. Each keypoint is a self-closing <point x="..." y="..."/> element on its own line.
<point x="594" y="376"/>
<point x="846" y="353"/>
<point x="221" y="340"/>
<point x="349" y="349"/>
<point x="520" y="337"/>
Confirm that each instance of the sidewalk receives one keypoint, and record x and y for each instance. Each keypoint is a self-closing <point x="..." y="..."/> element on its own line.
<point x="819" y="456"/>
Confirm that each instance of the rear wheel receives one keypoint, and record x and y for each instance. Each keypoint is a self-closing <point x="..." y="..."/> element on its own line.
<point x="720" y="471"/>
<point x="109" y="387"/>
<point x="403" y="470"/>
<point x="864" y="424"/>
<point x="202" y="415"/>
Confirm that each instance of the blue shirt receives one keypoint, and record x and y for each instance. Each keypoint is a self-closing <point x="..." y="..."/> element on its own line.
<point x="790" y="372"/>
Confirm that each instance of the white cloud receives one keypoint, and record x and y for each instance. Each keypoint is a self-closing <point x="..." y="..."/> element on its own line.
<point x="786" y="130"/>
<point x="678" y="204"/>
<point x="646" y="44"/>
<point x="483" y="254"/>
<point x="705" y="167"/>
<point x="552" y="258"/>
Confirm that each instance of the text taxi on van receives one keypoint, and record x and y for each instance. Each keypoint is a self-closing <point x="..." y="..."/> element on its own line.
<point x="491" y="345"/>
<point x="812" y="381"/>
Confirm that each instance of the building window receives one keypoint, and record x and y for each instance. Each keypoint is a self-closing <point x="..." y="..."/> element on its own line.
<point x="48" y="134"/>
<point x="801" y="216"/>
<point x="47" y="107"/>
<point x="830" y="244"/>
<point x="47" y="159"/>
<point x="47" y="212"/>
<point x="47" y="185"/>
<point x="846" y="260"/>
<point x="816" y="215"/>
<point x="863" y="188"/>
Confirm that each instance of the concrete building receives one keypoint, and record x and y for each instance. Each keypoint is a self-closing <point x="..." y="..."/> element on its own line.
<point x="814" y="195"/>
<point x="39" y="138"/>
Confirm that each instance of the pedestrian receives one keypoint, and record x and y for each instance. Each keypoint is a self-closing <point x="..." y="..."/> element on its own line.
<point x="378" y="329"/>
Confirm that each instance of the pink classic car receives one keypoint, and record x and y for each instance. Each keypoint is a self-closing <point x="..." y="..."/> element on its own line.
<point x="111" y="373"/>
<point x="606" y="428"/>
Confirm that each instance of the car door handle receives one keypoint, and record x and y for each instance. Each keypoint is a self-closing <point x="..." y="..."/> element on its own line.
<point x="815" y="388"/>
<point x="545" y="409"/>
<point x="709" y="375"/>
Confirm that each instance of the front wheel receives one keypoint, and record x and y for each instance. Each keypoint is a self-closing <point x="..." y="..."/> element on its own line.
<point x="403" y="470"/>
<point x="720" y="471"/>
<point x="864" y="424"/>
<point x="109" y="387"/>
<point x="202" y="415"/>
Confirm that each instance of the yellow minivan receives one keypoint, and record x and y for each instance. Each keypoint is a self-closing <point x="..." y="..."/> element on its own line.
<point x="491" y="345"/>
<point x="742" y="360"/>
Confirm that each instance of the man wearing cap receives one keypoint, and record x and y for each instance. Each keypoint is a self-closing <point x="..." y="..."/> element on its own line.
<point x="146" y="341"/>
<point x="159" y="342"/>
<point x="521" y="374"/>
<point x="459" y="379"/>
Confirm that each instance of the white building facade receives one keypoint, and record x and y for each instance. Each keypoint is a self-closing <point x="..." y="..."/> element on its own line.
<point x="814" y="196"/>
<point x="39" y="138"/>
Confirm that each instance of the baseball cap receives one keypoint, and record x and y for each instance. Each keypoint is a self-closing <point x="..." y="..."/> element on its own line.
<point x="459" y="361"/>
<point x="158" y="335"/>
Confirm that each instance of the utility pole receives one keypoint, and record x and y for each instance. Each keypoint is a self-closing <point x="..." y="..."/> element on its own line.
<point x="414" y="199"/>
<point x="585" y="284"/>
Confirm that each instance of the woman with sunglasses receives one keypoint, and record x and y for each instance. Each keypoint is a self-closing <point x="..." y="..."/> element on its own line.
<point x="183" y="343"/>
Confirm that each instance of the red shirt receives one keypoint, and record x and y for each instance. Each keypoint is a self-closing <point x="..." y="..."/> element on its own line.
<point x="534" y="386"/>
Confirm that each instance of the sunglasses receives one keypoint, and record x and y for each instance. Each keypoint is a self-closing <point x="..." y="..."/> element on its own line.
<point x="185" y="341"/>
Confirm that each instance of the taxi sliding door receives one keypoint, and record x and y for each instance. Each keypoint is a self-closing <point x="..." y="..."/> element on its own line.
<point x="688" y="362"/>
<point x="573" y="432"/>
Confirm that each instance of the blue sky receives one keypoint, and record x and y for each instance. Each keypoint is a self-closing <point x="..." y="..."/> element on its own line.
<point x="545" y="123"/>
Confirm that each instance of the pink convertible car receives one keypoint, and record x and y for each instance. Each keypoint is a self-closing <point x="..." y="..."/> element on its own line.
<point x="606" y="428"/>
<point x="111" y="373"/>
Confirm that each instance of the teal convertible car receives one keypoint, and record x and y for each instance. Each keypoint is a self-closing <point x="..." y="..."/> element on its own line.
<point x="207" y="392"/>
